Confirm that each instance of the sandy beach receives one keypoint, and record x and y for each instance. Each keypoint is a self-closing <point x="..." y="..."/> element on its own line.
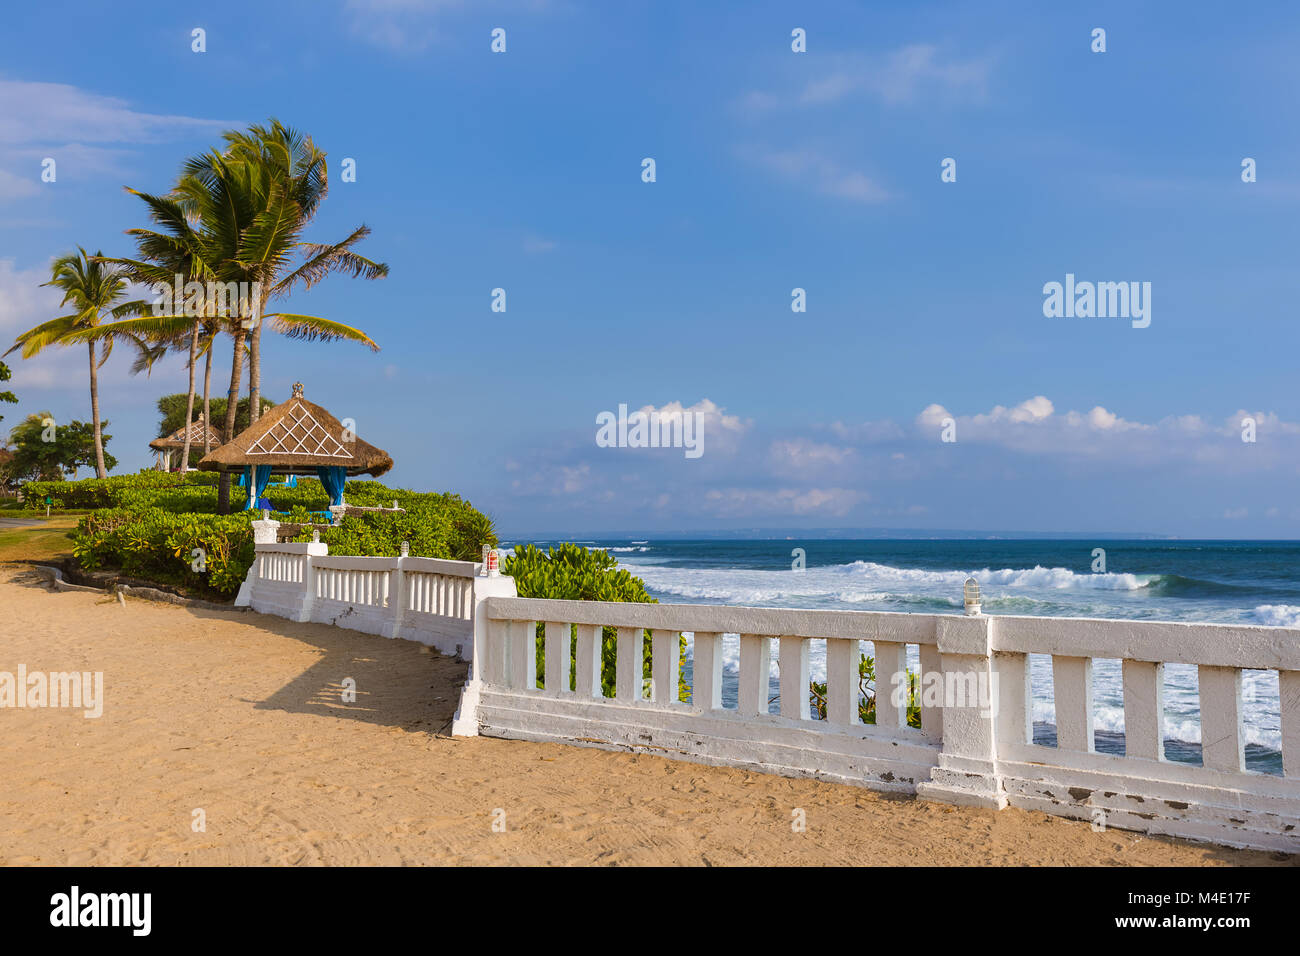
<point x="240" y="715"/>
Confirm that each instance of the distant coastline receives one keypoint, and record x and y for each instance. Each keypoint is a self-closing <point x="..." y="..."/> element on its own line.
<point x="857" y="534"/>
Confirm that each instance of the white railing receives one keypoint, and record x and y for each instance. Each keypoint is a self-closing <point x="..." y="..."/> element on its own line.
<point x="420" y="599"/>
<point x="974" y="745"/>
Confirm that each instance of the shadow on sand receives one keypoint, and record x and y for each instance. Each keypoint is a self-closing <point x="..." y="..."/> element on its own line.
<point x="397" y="683"/>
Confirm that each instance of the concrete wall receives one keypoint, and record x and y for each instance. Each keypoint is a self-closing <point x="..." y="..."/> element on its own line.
<point x="974" y="746"/>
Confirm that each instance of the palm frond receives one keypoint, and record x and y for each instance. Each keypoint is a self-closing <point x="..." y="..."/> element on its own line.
<point x="324" y="259"/>
<point x="312" y="328"/>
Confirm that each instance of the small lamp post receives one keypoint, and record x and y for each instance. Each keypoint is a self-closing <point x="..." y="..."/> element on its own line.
<point x="491" y="562"/>
<point x="971" y="594"/>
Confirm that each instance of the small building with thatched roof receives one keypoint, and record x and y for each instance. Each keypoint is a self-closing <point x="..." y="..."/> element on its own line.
<point x="293" y="438"/>
<point x="171" y="445"/>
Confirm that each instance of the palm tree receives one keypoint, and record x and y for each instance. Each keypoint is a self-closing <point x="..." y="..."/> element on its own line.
<point x="178" y="252"/>
<point x="253" y="202"/>
<point x="290" y="181"/>
<point x="93" y="288"/>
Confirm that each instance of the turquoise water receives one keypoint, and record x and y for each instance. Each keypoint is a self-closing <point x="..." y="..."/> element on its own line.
<point x="1210" y="581"/>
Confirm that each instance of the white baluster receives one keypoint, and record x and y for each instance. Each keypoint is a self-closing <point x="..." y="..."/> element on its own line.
<point x="1223" y="741"/>
<point x="706" y="687"/>
<point x="755" y="674"/>
<point x="665" y="656"/>
<point x="1144" y="709"/>
<point x="891" y="680"/>
<point x="794" y="678"/>
<point x="556" y="652"/>
<point x="628" y="664"/>
<point x="523" y="655"/>
<point x="1288" y="686"/>
<point x="931" y="715"/>
<point x="1014" y="718"/>
<point x="842" y="660"/>
<point x="1072" y="687"/>
<point x="587" y="661"/>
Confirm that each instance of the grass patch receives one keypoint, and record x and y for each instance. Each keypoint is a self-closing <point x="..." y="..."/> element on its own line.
<point x="47" y="541"/>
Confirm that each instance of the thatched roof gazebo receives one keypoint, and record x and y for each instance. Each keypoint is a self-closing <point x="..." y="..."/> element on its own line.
<point x="293" y="438"/>
<point x="167" y="446"/>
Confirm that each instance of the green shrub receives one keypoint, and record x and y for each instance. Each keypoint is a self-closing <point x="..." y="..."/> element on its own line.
<point x="573" y="573"/>
<point x="443" y="526"/>
<point x="160" y="546"/>
<point x="109" y="492"/>
<point x="148" y="525"/>
<point x="867" y="690"/>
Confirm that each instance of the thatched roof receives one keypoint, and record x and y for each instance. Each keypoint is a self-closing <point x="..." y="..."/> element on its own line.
<point x="177" y="438"/>
<point x="296" y="436"/>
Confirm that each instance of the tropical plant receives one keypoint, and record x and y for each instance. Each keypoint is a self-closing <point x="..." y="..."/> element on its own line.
<point x="867" y="691"/>
<point x="290" y="183"/>
<point x="146" y="489"/>
<point x="574" y="573"/>
<point x="253" y="200"/>
<point x="149" y="524"/>
<point x="94" y="289"/>
<point x="206" y="552"/>
<point x="44" y="450"/>
<point x="6" y="396"/>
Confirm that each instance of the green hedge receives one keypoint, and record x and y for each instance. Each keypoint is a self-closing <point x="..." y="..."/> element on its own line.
<point x="148" y="525"/>
<point x="108" y="492"/>
<point x="160" y="546"/>
<point x="435" y="525"/>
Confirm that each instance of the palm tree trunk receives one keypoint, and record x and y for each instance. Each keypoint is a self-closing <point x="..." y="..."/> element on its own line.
<point x="207" y="402"/>
<point x="189" y="400"/>
<point x="255" y="369"/>
<point x="232" y="409"/>
<point x="100" y="470"/>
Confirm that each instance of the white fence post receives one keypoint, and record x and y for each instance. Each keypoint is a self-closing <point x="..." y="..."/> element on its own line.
<point x="465" y="722"/>
<point x="966" y="773"/>
<point x="315" y="549"/>
<point x="397" y="596"/>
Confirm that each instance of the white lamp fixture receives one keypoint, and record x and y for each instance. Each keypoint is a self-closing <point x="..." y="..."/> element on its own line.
<point x="971" y="593"/>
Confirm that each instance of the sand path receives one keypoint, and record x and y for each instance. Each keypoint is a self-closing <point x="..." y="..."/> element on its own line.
<point x="240" y="715"/>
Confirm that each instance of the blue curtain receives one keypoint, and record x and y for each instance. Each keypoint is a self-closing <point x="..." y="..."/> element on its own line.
<point x="259" y="476"/>
<point x="332" y="478"/>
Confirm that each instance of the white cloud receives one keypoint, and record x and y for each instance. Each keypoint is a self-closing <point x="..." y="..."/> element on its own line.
<point x="1035" y="427"/>
<point x="749" y="502"/>
<point x="802" y="454"/>
<point x="409" y="26"/>
<point x="74" y="127"/>
<point x="815" y="170"/>
<point x="720" y="430"/>
<point x="534" y="245"/>
<point x="45" y="113"/>
<point x="908" y="75"/>
<point x="19" y="187"/>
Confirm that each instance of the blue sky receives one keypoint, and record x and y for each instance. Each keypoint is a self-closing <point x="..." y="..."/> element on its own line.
<point x="775" y="170"/>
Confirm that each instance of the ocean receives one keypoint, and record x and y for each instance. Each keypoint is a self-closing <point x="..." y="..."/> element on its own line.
<point x="1245" y="582"/>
